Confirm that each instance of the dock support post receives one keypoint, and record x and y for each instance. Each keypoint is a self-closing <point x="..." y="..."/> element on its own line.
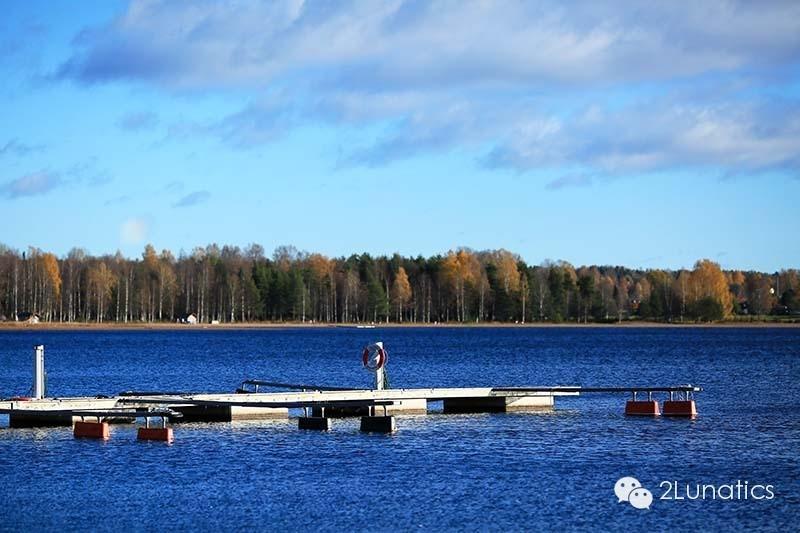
<point x="320" y="423"/>
<point x="378" y="424"/>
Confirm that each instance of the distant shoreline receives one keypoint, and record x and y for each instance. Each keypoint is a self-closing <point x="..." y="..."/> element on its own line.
<point x="170" y="326"/>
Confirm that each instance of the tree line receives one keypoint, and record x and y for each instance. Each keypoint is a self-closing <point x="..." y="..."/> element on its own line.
<point x="230" y="284"/>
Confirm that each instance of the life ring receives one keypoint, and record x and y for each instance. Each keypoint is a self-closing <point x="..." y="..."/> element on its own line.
<point x="374" y="357"/>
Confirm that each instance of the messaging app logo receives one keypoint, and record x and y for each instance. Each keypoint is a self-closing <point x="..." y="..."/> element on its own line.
<point x="629" y="489"/>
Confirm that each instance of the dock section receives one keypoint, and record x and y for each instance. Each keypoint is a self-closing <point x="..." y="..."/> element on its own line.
<point x="319" y="404"/>
<point x="261" y="405"/>
<point x="387" y="401"/>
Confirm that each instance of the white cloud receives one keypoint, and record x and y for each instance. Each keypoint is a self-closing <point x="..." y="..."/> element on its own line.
<point x="401" y="44"/>
<point x="18" y="148"/>
<point x="35" y="184"/>
<point x="194" y="198"/>
<point x="661" y="135"/>
<point x="604" y="87"/>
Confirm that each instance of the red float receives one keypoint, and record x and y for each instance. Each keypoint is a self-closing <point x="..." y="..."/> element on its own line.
<point x="91" y="430"/>
<point x="645" y="408"/>
<point x="160" y="434"/>
<point x="680" y="408"/>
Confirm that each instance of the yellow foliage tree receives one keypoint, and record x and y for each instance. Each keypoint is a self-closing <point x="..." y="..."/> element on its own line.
<point x="321" y="267"/>
<point x="167" y="281"/>
<point x="50" y="283"/>
<point x="322" y="271"/>
<point x="102" y="279"/>
<point x="460" y="269"/>
<point x="681" y="287"/>
<point x="401" y="292"/>
<point x="506" y="264"/>
<point x="708" y="281"/>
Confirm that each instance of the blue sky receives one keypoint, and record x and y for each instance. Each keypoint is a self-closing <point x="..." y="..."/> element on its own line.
<point x="643" y="134"/>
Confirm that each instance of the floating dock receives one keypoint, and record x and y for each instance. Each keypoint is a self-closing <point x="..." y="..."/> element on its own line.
<point x="319" y="404"/>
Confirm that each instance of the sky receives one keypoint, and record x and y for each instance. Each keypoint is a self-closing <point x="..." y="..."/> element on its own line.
<point x="644" y="134"/>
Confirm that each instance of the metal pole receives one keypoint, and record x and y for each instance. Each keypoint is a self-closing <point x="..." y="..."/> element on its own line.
<point x="380" y="372"/>
<point x="38" y="372"/>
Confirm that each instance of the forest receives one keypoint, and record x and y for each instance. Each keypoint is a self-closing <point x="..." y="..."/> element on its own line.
<point x="231" y="284"/>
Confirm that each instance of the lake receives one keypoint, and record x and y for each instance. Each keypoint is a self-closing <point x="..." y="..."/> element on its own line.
<point x="489" y="472"/>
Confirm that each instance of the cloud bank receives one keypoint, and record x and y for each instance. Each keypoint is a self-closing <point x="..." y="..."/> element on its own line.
<point x="605" y="87"/>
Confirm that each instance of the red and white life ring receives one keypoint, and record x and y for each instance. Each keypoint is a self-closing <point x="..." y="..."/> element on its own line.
<point x="374" y="357"/>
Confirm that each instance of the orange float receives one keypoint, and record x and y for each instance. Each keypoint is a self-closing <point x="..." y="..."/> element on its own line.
<point x="680" y="408"/>
<point x="642" y="408"/>
<point x="91" y="430"/>
<point x="160" y="434"/>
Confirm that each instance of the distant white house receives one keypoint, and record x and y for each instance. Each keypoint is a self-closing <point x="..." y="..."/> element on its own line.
<point x="191" y="318"/>
<point x="28" y="318"/>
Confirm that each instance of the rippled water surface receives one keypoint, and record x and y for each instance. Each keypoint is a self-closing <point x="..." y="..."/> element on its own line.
<point x="444" y="472"/>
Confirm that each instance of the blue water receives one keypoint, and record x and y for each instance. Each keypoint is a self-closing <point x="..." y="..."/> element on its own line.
<point x="443" y="472"/>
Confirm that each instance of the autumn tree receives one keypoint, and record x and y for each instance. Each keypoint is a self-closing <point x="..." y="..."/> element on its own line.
<point x="787" y="285"/>
<point x="167" y="282"/>
<point x="504" y="277"/>
<point x="459" y="270"/>
<point x="321" y="269"/>
<point x="708" y="281"/>
<point x="659" y="302"/>
<point x="608" y="302"/>
<point x="50" y="283"/>
<point x="524" y="290"/>
<point x="507" y="272"/>
<point x="622" y="295"/>
<point x="681" y="287"/>
<point x="101" y="279"/>
<point x="149" y="283"/>
<point x="760" y="294"/>
<point x="401" y="292"/>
